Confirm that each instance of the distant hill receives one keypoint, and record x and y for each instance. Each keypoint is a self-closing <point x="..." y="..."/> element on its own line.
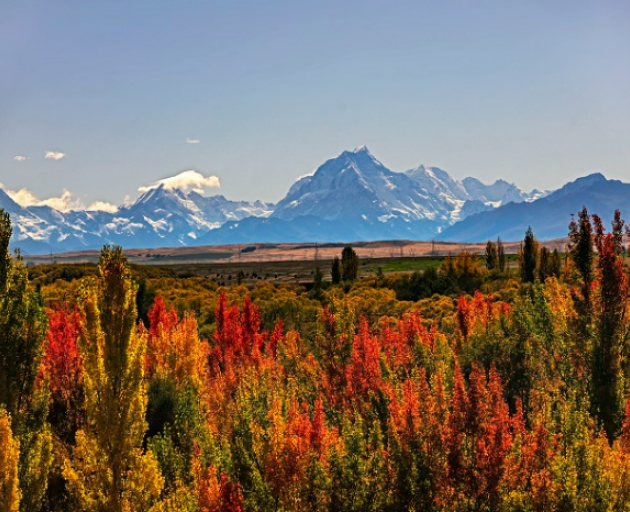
<point x="549" y="217"/>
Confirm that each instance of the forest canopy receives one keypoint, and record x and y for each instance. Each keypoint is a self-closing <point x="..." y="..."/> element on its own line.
<point x="486" y="384"/>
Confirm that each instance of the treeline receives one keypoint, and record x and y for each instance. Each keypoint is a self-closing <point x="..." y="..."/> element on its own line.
<point x="509" y="399"/>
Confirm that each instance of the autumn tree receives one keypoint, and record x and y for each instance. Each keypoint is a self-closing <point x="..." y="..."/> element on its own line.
<point x="607" y="374"/>
<point x="63" y="369"/>
<point x="9" y="455"/>
<point x="22" y="337"/>
<point x="461" y="273"/>
<point x="528" y="256"/>
<point x="349" y="264"/>
<point x="617" y="231"/>
<point x="109" y="470"/>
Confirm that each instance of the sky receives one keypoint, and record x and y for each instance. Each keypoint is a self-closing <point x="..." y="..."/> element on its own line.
<point x="99" y="100"/>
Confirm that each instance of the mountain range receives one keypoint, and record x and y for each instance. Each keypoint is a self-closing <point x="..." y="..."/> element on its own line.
<point x="350" y="197"/>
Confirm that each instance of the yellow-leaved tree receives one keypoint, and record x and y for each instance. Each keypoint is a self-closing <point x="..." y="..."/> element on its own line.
<point x="110" y="471"/>
<point x="9" y="456"/>
<point x="23" y="397"/>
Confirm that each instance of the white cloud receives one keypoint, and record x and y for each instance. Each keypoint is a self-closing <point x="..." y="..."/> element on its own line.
<point x="64" y="203"/>
<point x="20" y="158"/>
<point x="23" y="197"/>
<point x="190" y="179"/>
<point x="192" y="141"/>
<point x="102" y="206"/>
<point x="55" y="155"/>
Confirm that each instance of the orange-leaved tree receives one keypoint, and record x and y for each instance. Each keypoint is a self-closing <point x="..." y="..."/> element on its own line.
<point x="63" y="368"/>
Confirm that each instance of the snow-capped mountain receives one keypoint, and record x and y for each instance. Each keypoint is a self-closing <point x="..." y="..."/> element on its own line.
<point x="355" y="197"/>
<point x="439" y="183"/>
<point x="354" y="186"/>
<point x="470" y="195"/>
<point x="350" y="197"/>
<point x="499" y="193"/>
<point x="158" y="218"/>
<point x="549" y="216"/>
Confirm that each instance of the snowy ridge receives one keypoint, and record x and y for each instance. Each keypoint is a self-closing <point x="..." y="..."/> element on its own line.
<point x="160" y="217"/>
<point x="350" y="197"/>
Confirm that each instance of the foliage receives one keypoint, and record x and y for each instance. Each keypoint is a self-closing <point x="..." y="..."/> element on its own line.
<point x="22" y="335"/>
<point x="349" y="264"/>
<point x="501" y="258"/>
<point x="336" y="270"/>
<point x="109" y="470"/>
<point x="528" y="257"/>
<point x="492" y="256"/>
<point x="450" y="389"/>
<point x="9" y="456"/>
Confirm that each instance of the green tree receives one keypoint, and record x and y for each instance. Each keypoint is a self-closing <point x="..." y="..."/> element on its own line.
<point x="144" y="300"/>
<point x="544" y="264"/>
<point x="528" y="256"/>
<point x="581" y="248"/>
<point x="110" y="471"/>
<point x="335" y="270"/>
<point x="492" y="256"/>
<point x="318" y="284"/>
<point x="501" y="260"/>
<point x="349" y="264"/>
<point x="22" y="336"/>
<point x="555" y="264"/>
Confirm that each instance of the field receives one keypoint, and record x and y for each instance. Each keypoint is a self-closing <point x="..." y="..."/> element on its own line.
<point x="288" y="263"/>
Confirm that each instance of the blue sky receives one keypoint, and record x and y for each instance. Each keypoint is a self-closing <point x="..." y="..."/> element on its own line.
<point x="533" y="92"/>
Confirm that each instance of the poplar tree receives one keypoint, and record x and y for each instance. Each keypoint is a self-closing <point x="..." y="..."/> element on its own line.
<point x="492" y="257"/>
<point x="9" y="456"/>
<point x="582" y="254"/>
<point x="555" y="263"/>
<point x="501" y="260"/>
<point x="349" y="264"/>
<point x="544" y="264"/>
<point x="22" y="337"/>
<point x="528" y="256"/>
<point x="617" y="231"/>
<point x="335" y="270"/>
<point x="610" y="309"/>
<point x="110" y="471"/>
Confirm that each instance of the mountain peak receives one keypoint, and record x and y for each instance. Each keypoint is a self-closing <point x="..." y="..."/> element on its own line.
<point x="592" y="178"/>
<point x="361" y="149"/>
